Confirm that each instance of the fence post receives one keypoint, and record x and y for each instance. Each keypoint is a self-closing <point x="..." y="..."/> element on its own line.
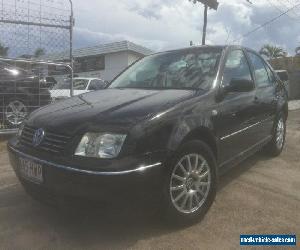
<point x="71" y="48"/>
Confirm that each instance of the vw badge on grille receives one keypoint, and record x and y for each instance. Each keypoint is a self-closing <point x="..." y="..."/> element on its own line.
<point x="38" y="137"/>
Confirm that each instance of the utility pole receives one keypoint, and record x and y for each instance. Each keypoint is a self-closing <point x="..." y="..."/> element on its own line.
<point x="204" y="24"/>
<point x="72" y="22"/>
<point x="213" y="4"/>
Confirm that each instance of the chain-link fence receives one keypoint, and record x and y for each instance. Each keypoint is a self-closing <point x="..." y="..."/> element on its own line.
<point x="34" y="28"/>
<point x="27" y="85"/>
<point x="32" y="31"/>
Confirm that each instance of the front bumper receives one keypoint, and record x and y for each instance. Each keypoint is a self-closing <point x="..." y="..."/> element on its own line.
<point x="141" y="182"/>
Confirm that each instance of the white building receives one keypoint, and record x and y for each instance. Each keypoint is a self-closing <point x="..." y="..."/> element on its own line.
<point x="103" y="61"/>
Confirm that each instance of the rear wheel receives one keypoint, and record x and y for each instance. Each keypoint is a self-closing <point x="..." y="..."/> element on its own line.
<point x="191" y="184"/>
<point x="276" y="145"/>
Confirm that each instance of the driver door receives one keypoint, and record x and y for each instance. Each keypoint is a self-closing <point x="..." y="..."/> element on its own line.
<point x="237" y="113"/>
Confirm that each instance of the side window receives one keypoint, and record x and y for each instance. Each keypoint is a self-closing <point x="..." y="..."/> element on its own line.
<point x="236" y="67"/>
<point x="260" y="72"/>
<point x="96" y="85"/>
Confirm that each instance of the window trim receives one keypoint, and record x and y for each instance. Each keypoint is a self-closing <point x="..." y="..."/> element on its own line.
<point x="88" y="85"/>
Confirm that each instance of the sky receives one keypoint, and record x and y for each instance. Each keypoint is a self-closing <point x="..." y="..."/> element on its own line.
<point x="169" y="24"/>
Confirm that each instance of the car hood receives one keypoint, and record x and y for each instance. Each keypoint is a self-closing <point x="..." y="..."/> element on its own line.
<point x="108" y="109"/>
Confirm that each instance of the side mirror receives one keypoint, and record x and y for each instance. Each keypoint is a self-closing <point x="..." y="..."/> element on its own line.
<point x="283" y="76"/>
<point x="240" y="85"/>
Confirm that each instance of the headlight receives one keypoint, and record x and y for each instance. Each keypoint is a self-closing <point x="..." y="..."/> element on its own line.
<point x="100" y="145"/>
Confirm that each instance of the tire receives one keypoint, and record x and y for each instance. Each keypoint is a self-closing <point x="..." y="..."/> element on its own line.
<point x="275" y="146"/>
<point x="187" y="199"/>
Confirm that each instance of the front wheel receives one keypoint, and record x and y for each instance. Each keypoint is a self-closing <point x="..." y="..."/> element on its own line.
<point x="276" y="145"/>
<point x="191" y="184"/>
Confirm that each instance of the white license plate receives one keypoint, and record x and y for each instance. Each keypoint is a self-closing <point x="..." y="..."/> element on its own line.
<point x="31" y="171"/>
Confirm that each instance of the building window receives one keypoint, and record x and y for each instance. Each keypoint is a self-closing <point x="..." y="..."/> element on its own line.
<point x="86" y="64"/>
<point x="58" y="70"/>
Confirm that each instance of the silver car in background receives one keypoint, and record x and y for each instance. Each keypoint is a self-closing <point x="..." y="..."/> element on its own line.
<point x="80" y="84"/>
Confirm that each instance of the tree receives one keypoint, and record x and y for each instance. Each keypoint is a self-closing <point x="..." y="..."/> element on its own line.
<point x="39" y="52"/>
<point x="25" y="56"/>
<point x="3" y="50"/>
<point x="271" y="51"/>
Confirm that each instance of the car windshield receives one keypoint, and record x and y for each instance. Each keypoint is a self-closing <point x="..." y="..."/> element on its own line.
<point x="79" y="84"/>
<point x="188" y="69"/>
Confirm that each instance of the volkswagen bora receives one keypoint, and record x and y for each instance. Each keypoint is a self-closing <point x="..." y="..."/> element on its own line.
<point x="165" y="128"/>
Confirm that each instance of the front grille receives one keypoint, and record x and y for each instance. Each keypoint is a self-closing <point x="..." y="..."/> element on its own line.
<point x="52" y="142"/>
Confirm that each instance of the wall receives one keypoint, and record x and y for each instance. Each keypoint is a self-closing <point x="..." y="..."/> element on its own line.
<point x="133" y="57"/>
<point x="114" y="64"/>
<point x="292" y="65"/>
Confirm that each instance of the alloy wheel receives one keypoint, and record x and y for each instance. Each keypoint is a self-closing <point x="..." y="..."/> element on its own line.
<point x="190" y="183"/>
<point x="280" y="130"/>
<point x="16" y="112"/>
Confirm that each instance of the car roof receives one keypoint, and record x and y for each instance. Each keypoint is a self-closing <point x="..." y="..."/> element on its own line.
<point x="222" y="47"/>
<point x="87" y="78"/>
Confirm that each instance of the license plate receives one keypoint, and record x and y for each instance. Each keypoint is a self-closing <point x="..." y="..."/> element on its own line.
<point x="31" y="171"/>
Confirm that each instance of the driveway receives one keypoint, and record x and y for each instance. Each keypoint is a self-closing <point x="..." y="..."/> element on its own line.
<point x="260" y="196"/>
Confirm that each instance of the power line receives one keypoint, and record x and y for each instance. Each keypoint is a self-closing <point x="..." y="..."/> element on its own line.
<point x="267" y="23"/>
<point x="288" y="4"/>
<point x="280" y="10"/>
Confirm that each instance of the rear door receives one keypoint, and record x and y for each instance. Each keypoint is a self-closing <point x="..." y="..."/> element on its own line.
<point x="237" y="115"/>
<point x="265" y="96"/>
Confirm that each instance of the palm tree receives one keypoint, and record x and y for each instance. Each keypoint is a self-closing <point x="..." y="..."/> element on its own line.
<point x="25" y="56"/>
<point x="3" y="50"/>
<point x="39" y="52"/>
<point x="271" y="51"/>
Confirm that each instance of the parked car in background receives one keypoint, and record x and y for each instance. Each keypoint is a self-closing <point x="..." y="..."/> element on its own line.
<point x="49" y="82"/>
<point x="80" y="85"/>
<point x="284" y="77"/>
<point x="21" y="92"/>
<point x="165" y="129"/>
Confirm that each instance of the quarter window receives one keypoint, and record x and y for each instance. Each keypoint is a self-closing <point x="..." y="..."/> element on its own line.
<point x="236" y="67"/>
<point x="260" y="72"/>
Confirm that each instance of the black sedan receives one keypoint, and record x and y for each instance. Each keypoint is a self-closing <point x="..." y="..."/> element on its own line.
<point x="21" y="92"/>
<point x="166" y="128"/>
